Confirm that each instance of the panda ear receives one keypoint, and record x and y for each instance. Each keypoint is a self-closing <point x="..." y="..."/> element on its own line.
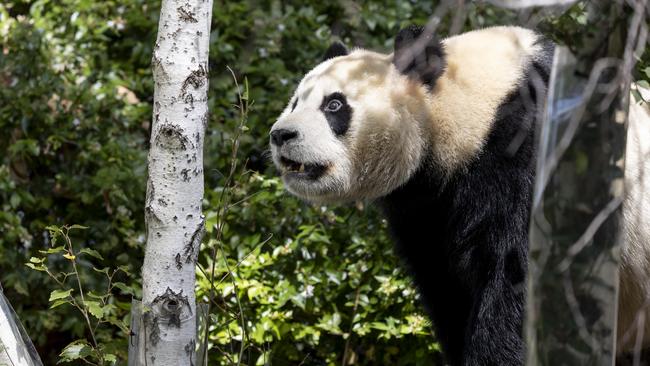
<point x="336" y="49"/>
<point x="419" y="55"/>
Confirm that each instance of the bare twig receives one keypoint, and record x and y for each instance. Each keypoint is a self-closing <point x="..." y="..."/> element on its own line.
<point x="354" y="313"/>
<point x="243" y="106"/>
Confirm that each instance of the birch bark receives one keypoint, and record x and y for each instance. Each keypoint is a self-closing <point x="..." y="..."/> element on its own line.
<point x="173" y="215"/>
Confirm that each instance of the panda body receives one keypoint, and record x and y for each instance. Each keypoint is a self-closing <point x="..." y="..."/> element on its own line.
<point x="448" y="159"/>
<point x="634" y="289"/>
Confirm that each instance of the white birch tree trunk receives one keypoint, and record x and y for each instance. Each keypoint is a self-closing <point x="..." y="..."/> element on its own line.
<point x="174" y="220"/>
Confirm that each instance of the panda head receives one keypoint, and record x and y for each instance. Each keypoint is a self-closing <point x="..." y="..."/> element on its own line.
<point x="354" y="127"/>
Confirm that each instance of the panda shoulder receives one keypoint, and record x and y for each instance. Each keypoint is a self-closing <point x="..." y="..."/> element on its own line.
<point x="483" y="67"/>
<point x="512" y="43"/>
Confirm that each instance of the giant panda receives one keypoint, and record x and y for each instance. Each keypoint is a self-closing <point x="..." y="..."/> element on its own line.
<point x="634" y="273"/>
<point x="427" y="134"/>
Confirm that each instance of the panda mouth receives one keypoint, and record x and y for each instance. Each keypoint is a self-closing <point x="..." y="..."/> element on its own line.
<point x="301" y="170"/>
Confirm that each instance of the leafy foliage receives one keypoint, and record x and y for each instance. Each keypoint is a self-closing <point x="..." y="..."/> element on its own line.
<point x="98" y="310"/>
<point x="294" y="283"/>
<point x="346" y="289"/>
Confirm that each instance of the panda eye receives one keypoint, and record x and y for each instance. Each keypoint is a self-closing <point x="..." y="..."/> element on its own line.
<point x="333" y="106"/>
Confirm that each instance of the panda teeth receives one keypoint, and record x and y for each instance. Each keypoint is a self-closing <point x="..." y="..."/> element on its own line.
<point x="288" y="165"/>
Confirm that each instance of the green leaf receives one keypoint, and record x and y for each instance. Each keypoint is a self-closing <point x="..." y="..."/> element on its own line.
<point x="53" y="228"/>
<point x="14" y="201"/>
<point x="52" y="250"/>
<point x="379" y="325"/>
<point x="643" y="83"/>
<point x="245" y="96"/>
<point x="124" y="269"/>
<point x="79" y="227"/>
<point x="95" y="308"/>
<point x="36" y="260"/>
<point x="126" y="289"/>
<point x="94" y="295"/>
<point x="60" y="294"/>
<point x="58" y="303"/>
<point x="103" y="270"/>
<point x="55" y="233"/>
<point x="110" y="357"/>
<point x="122" y="325"/>
<point x="92" y="252"/>
<point x="35" y="267"/>
<point x="647" y="71"/>
<point x="75" y="350"/>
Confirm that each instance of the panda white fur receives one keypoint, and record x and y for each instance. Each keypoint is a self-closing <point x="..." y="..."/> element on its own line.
<point x="426" y="132"/>
<point x="634" y="290"/>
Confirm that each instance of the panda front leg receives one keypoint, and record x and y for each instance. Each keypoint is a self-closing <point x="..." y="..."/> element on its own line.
<point x="494" y="331"/>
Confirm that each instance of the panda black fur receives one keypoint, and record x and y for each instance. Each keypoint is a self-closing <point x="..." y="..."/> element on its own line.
<point x="440" y="135"/>
<point x="479" y="217"/>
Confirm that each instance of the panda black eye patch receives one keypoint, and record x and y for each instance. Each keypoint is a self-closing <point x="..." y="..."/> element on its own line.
<point x="337" y="111"/>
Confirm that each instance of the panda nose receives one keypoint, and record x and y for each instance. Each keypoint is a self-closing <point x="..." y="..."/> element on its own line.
<point x="280" y="136"/>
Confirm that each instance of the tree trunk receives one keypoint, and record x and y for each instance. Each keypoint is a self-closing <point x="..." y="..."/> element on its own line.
<point x="174" y="220"/>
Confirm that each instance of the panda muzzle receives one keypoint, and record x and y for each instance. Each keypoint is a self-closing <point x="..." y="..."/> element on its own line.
<point x="311" y="171"/>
